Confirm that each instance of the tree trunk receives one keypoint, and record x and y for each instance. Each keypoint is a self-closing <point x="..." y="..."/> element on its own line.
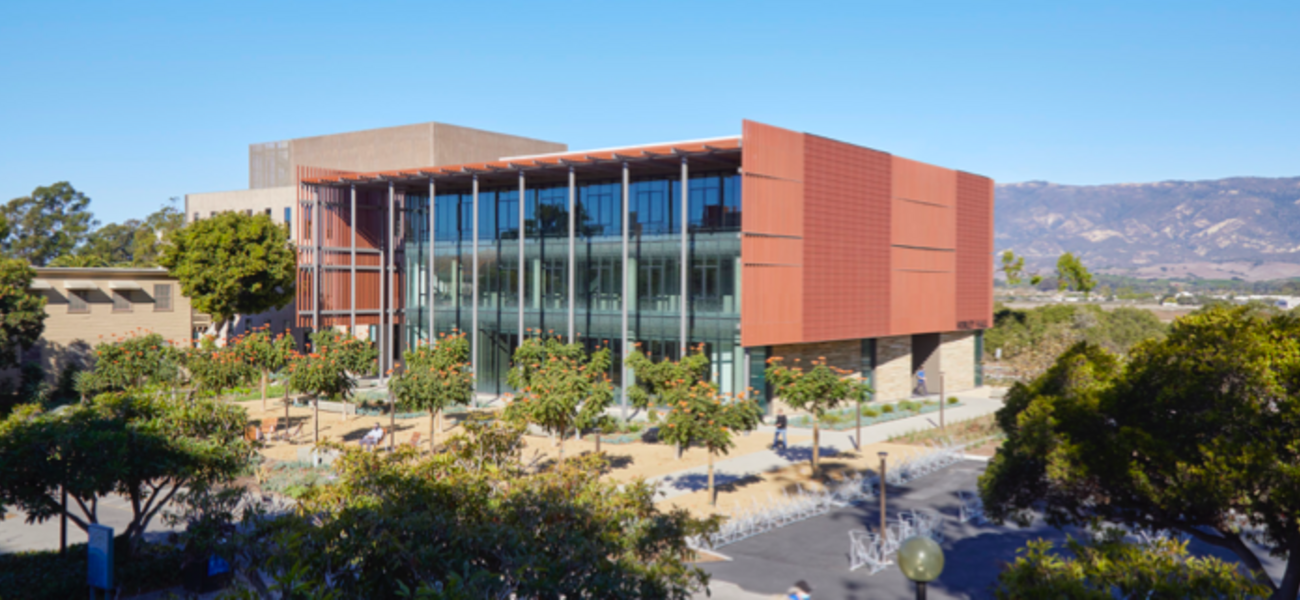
<point x="713" y="498"/>
<point x="561" y="436"/>
<point x="858" y="441"/>
<point x="433" y="427"/>
<point x="598" y="442"/>
<point x="1290" y="585"/>
<point x="817" y="438"/>
<point x="315" y="419"/>
<point x="264" y="378"/>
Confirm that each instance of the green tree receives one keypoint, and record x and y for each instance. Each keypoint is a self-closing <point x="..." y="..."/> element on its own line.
<point x="816" y="391"/>
<point x="23" y="311"/>
<point x="1194" y="434"/>
<point x="148" y="240"/>
<point x="1014" y="268"/>
<point x="435" y="377"/>
<point x="1111" y="569"/>
<point x="143" y="447"/>
<point x="1072" y="275"/>
<point x="320" y="374"/>
<point x="265" y="352"/>
<point x="706" y="417"/>
<point x="560" y="386"/>
<point x="47" y="224"/>
<point x="472" y="523"/>
<point x="232" y="264"/>
<point x="107" y="246"/>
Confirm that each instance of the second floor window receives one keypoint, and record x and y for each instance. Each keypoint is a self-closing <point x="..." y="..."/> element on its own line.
<point x="77" y="302"/>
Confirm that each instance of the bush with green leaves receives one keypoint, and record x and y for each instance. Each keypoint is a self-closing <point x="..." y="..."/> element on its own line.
<point x="216" y="369"/>
<point x="49" y="575"/>
<point x="132" y="361"/>
<point x="1111" y="568"/>
<point x="472" y="523"/>
<point x="320" y="374"/>
<point x="265" y="352"/>
<point x="1193" y="433"/>
<point x="144" y="447"/>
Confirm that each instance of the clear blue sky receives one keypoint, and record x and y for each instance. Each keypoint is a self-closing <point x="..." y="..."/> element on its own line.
<point x="136" y="102"/>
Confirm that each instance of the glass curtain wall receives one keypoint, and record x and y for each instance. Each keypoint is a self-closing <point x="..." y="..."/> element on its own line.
<point x="654" y="257"/>
<point x="415" y="306"/>
<point x="498" y="291"/>
<point x="452" y="253"/>
<point x="714" y="213"/>
<point x="599" y="269"/>
<point x="546" y="256"/>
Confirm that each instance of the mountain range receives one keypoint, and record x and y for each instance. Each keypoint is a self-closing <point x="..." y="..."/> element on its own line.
<point x="1238" y="227"/>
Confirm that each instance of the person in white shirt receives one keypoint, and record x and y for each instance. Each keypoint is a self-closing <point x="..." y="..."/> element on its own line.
<point x="372" y="437"/>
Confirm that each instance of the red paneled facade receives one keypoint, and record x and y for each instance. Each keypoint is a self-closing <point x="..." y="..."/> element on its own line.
<point x="843" y="242"/>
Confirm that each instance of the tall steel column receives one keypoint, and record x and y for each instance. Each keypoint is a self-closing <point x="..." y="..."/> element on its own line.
<point x="432" y="279"/>
<point x="522" y="295"/>
<point x="473" y="311"/>
<point x="352" y="304"/>
<point x="573" y="232"/>
<point x="622" y="363"/>
<point x="316" y="262"/>
<point x="388" y="279"/>
<point x="685" y="267"/>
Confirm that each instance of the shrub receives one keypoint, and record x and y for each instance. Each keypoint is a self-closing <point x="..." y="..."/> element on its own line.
<point x="887" y="409"/>
<point x="44" y="574"/>
<point x="952" y="400"/>
<point x="870" y="412"/>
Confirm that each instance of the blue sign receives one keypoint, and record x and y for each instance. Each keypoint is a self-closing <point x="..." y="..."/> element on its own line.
<point x="100" y="564"/>
<point x="217" y="566"/>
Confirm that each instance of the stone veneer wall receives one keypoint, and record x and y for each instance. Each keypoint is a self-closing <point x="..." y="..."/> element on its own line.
<point x="894" y="367"/>
<point x="846" y="354"/>
<point x="957" y="355"/>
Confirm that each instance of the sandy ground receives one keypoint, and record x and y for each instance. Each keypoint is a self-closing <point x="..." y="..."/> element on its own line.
<point x="627" y="461"/>
<point x="760" y="488"/>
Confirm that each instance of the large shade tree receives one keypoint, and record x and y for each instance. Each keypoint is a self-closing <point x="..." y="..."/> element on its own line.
<point x="232" y="264"/>
<point x="22" y="312"/>
<point x="141" y="446"/>
<point x="472" y="523"/>
<point x="1195" y="434"/>
<point x="49" y="223"/>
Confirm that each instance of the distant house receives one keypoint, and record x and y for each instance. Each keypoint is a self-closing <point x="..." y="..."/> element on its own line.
<point x="86" y="306"/>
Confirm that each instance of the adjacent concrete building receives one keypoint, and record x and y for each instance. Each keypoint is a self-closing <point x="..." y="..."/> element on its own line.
<point x="768" y="243"/>
<point x="85" y="306"/>
<point x="274" y="169"/>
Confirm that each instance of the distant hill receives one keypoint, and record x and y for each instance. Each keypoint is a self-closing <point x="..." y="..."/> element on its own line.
<point x="1242" y="227"/>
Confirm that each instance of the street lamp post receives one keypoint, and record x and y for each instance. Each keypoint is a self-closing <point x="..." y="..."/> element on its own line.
<point x="884" y="533"/>
<point x="921" y="560"/>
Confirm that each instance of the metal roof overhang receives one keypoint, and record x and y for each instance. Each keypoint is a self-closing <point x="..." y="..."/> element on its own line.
<point x="79" y="285"/>
<point x="125" y="285"/>
<point x="660" y="158"/>
<point x="40" y="284"/>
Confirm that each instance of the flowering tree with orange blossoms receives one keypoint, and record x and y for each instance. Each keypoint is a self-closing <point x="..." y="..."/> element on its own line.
<point x="264" y="352"/>
<point x="131" y="361"/>
<point x="667" y="381"/>
<point x="816" y="391"/>
<point x="435" y="377"/>
<point x="701" y="415"/>
<point x="215" y="369"/>
<point x="319" y="374"/>
<point x="560" y="386"/>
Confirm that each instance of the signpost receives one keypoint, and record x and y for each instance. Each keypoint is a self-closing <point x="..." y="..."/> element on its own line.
<point x="99" y="572"/>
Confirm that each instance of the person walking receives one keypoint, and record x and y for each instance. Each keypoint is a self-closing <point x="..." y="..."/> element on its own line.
<point x="781" y="425"/>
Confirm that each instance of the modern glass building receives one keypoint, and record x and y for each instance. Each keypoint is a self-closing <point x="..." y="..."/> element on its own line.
<point x="768" y="243"/>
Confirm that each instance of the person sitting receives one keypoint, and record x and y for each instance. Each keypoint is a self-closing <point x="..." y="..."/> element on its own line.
<point x="372" y="437"/>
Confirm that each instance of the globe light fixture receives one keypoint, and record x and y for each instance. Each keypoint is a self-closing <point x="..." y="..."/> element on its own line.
<point x="921" y="560"/>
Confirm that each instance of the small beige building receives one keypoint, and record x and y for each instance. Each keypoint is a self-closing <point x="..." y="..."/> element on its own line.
<point x="86" y="306"/>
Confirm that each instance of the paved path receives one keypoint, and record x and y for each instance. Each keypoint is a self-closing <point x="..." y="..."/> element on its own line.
<point x="114" y="511"/>
<point x="975" y="404"/>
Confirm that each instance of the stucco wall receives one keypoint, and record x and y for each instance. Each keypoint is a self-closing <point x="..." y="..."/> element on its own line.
<point x="894" y="367"/>
<point x="957" y="355"/>
<point x="277" y="199"/>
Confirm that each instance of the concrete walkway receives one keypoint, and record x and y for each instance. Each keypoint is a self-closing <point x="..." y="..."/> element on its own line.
<point x="975" y="403"/>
